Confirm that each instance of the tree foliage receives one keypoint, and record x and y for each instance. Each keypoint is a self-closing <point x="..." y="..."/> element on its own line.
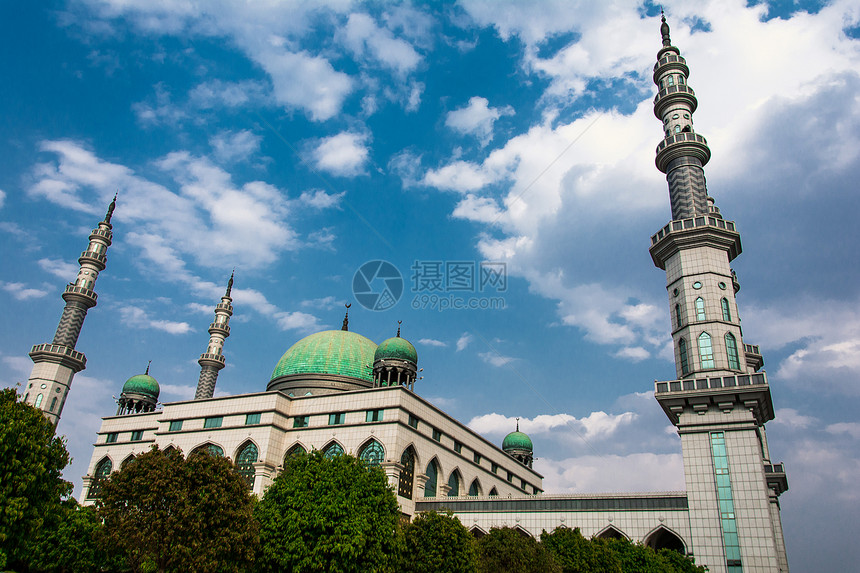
<point x="322" y="514"/>
<point x="31" y="462"/>
<point x="507" y="550"/>
<point x="164" y="512"/>
<point x="438" y="542"/>
<point x="576" y="554"/>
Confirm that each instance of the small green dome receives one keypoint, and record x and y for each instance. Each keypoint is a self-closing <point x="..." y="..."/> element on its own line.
<point x="142" y="384"/>
<point x="337" y="352"/>
<point x="517" y="441"/>
<point x="398" y="348"/>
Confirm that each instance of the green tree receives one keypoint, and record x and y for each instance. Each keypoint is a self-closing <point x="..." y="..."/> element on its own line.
<point x="31" y="462"/>
<point x="438" y="542"/>
<point x="576" y="554"/>
<point x="336" y="515"/>
<point x="678" y="563"/>
<point x="506" y="550"/>
<point x="637" y="558"/>
<point x="164" y="512"/>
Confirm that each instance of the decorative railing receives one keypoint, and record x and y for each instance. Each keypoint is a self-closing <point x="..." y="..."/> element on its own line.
<point x="684" y="88"/>
<point x="223" y="306"/>
<point x="692" y="223"/>
<point x="669" y="59"/>
<point x="220" y="326"/>
<point x="737" y="380"/>
<point x="100" y="233"/>
<point x="774" y="469"/>
<point x="94" y="255"/>
<point x="81" y="290"/>
<point x="217" y="357"/>
<point x="681" y="138"/>
<point x="59" y="349"/>
<point x="751" y="349"/>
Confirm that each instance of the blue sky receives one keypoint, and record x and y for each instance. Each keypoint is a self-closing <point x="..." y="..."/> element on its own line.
<point x="297" y="141"/>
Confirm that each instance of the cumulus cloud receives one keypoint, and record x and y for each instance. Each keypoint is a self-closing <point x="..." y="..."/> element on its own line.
<point x="464" y="341"/>
<point x="476" y="118"/>
<point x="344" y="154"/>
<point x="850" y="428"/>
<point x="20" y="291"/>
<point x="136" y="317"/>
<point x="2" y="198"/>
<point x="379" y="45"/>
<point x="432" y="342"/>
<point x="232" y="146"/>
<point x="614" y="473"/>
<point x="793" y="419"/>
<point x="59" y="268"/>
<point x="319" y="199"/>
<point x="495" y="359"/>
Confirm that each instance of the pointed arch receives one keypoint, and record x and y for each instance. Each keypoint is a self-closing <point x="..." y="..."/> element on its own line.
<point x="209" y="448"/>
<point x="246" y="456"/>
<point x="727" y="313"/>
<point x="700" y="309"/>
<point x="407" y="474"/>
<point x="682" y="352"/>
<point x="678" y="322"/>
<point x="454" y="481"/>
<point x="611" y="532"/>
<point x="39" y="399"/>
<point x="494" y="492"/>
<point x="706" y="351"/>
<point x="295" y="449"/>
<point x="126" y="461"/>
<point x="522" y="531"/>
<point x="372" y="452"/>
<point x="171" y="448"/>
<point x="101" y="473"/>
<point x="477" y="531"/>
<point x="732" y="351"/>
<point x="661" y="537"/>
<point x="332" y="449"/>
<point x="432" y="472"/>
<point x="475" y="488"/>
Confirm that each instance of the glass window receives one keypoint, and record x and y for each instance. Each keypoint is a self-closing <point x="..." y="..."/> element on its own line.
<point x="732" y="351"/>
<point x="458" y="447"/>
<point x="332" y="450"/>
<point x="494" y="467"/>
<point x="336" y="419"/>
<point x="454" y="484"/>
<point x="214" y="422"/>
<point x="137" y="435"/>
<point x="210" y="449"/>
<point x="678" y="321"/>
<point x="38" y="400"/>
<point x="437" y="435"/>
<point x="706" y="350"/>
<point x="697" y="285"/>
<point x="112" y="437"/>
<point x="510" y="477"/>
<point x="432" y="479"/>
<point x="477" y="457"/>
<point x="295" y="450"/>
<point x="373" y="416"/>
<point x="407" y="474"/>
<point x="301" y="421"/>
<point x="102" y="473"/>
<point x="682" y="351"/>
<point x="413" y="422"/>
<point x="677" y="129"/>
<point x="474" y="489"/>
<point x="175" y="426"/>
<point x="494" y="492"/>
<point x="372" y="453"/>
<point x="700" y="308"/>
<point x="727" y="314"/>
<point x="245" y="463"/>
<point x="53" y="403"/>
<point x="251" y="419"/>
<point x="680" y="83"/>
<point x="670" y="80"/>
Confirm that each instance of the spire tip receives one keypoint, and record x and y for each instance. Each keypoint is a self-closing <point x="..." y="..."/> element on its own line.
<point x="346" y="318"/>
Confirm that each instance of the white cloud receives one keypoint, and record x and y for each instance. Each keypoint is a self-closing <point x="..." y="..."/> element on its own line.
<point x="199" y="308"/>
<point x="596" y="425"/>
<point x="136" y="317"/>
<point x="432" y="342"/>
<point x="178" y="391"/>
<point x="793" y="419"/>
<point x="344" y="154"/>
<point x="319" y="199"/>
<point x="20" y="291"/>
<point x="59" y="268"/>
<point x="605" y="474"/>
<point x="464" y="341"/>
<point x="633" y="353"/>
<point x="367" y="40"/>
<point x="300" y="321"/>
<point x="494" y="358"/>
<point x="233" y="146"/>
<point x="217" y="93"/>
<point x="477" y="119"/>
<point x="325" y="303"/>
<point x="2" y="198"/>
<point x="850" y="428"/>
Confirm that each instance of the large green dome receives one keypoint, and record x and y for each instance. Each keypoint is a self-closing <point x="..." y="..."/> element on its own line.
<point x="517" y="441"/>
<point x="142" y="384"/>
<point x="337" y="352"/>
<point x="398" y="348"/>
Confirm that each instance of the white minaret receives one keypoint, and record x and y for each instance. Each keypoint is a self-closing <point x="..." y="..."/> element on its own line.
<point x="720" y="400"/>
<point x="57" y="362"/>
<point x="212" y="361"/>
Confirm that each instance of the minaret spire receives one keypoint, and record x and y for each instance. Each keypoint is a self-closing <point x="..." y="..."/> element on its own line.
<point x="56" y="364"/>
<point x="212" y="361"/>
<point x="345" y="325"/>
<point x="399" y="322"/>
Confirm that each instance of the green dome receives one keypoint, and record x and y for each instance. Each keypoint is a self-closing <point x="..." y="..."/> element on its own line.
<point x="337" y="352"/>
<point x="517" y="441"/>
<point x="142" y="384"/>
<point x="398" y="348"/>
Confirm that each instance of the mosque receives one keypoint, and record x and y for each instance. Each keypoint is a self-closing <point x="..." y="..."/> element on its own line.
<point x="337" y="391"/>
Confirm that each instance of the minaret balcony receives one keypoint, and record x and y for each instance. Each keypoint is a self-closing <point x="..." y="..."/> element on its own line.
<point x="59" y="354"/>
<point x="98" y="259"/>
<point x="207" y="357"/>
<point x="670" y="61"/>
<point x="224" y="306"/>
<point x="219" y="327"/>
<point x="723" y="392"/>
<point x="75" y="292"/>
<point x="674" y="94"/>
<point x="693" y="232"/>
<point x="776" y="479"/>
<point x="753" y="356"/>
<point x="685" y="144"/>
<point x="103" y="233"/>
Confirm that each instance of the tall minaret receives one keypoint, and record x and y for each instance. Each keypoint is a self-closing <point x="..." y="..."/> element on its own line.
<point x="56" y="363"/>
<point x="720" y="399"/>
<point x="212" y="361"/>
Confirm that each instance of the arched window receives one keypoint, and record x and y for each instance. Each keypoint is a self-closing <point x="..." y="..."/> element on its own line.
<point x="38" y="401"/>
<point x="102" y="472"/>
<point x="727" y="314"/>
<point x="332" y="450"/>
<point x="295" y="450"/>
<point x="677" y="129"/>
<point x="372" y="453"/>
<point x="494" y="492"/>
<point x="475" y="488"/>
<point x="706" y="350"/>
<point x="732" y="351"/>
<point x="680" y="80"/>
<point x="432" y="479"/>
<point x="454" y="484"/>
<point x="662" y="538"/>
<point x="670" y="80"/>
<point x="682" y="351"/>
<point x="407" y="474"/>
<point x="210" y="449"/>
<point x="700" y="308"/>
<point x="678" y="320"/>
<point x="245" y="463"/>
<point x="126" y="461"/>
